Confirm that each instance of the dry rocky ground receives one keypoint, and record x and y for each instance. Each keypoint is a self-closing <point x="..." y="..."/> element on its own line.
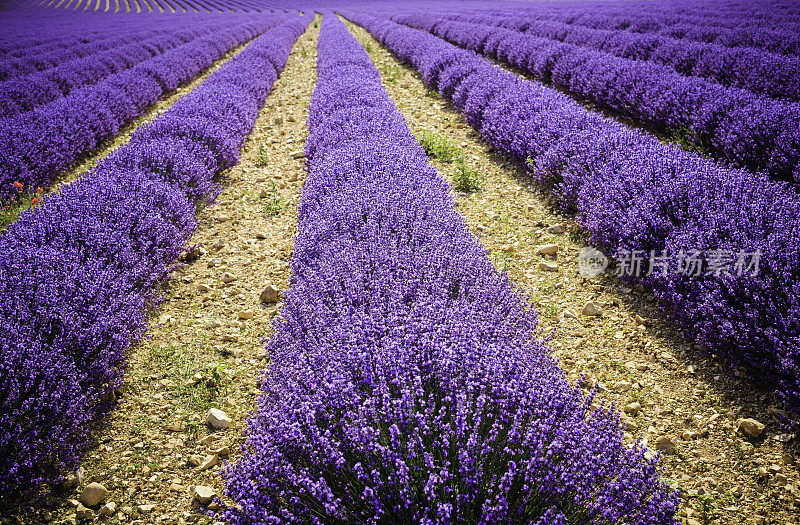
<point x="85" y="163"/>
<point x="692" y="409"/>
<point x="159" y="458"/>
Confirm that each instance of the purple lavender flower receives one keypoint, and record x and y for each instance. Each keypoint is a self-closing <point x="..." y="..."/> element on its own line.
<point x="406" y="384"/>
<point x="78" y="271"/>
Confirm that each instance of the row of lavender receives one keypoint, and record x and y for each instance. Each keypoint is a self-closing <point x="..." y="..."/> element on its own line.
<point x="77" y="273"/>
<point x="768" y="26"/>
<point x="136" y="6"/>
<point x="38" y="145"/>
<point x="172" y="6"/>
<point x="69" y="48"/>
<point x="643" y="18"/>
<point x="743" y="25"/>
<point x="24" y="31"/>
<point x="751" y="131"/>
<point x="31" y="60"/>
<point x="27" y="92"/>
<point x="638" y="196"/>
<point x="404" y="384"/>
<point x="747" y="68"/>
<point x="150" y="8"/>
<point x="165" y="6"/>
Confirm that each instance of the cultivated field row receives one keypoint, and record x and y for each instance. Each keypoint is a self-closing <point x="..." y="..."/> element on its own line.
<point x="403" y="222"/>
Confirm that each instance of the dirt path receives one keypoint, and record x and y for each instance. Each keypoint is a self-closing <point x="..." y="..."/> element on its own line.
<point x="674" y="396"/>
<point x="205" y="349"/>
<point x="88" y="161"/>
<point x="154" y="111"/>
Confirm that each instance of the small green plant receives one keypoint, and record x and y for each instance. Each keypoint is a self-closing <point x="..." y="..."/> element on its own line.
<point x="390" y="72"/>
<point x="304" y="53"/>
<point x="272" y="201"/>
<point x="316" y="24"/>
<point x="193" y="428"/>
<point x="368" y="47"/>
<point x="9" y="212"/>
<point x="162" y="355"/>
<point x="688" y="139"/>
<point x="466" y="179"/>
<point x="502" y="260"/>
<point x="549" y="309"/>
<point x="261" y="159"/>
<point x="708" y="508"/>
<point x="438" y="147"/>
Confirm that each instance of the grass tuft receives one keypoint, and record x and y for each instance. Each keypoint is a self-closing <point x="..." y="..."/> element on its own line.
<point x="466" y="179"/>
<point x="438" y="147"/>
<point x="272" y="201"/>
<point x="262" y="160"/>
<point x="10" y="211"/>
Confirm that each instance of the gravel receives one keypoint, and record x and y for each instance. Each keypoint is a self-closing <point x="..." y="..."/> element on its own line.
<point x="156" y="452"/>
<point x="680" y="390"/>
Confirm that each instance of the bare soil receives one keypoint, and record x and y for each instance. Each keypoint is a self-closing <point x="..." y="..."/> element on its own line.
<point x="632" y="350"/>
<point x="205" y="347"/>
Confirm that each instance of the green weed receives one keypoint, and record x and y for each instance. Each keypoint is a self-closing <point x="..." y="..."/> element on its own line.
<point x="465" y="178"/>
<point x="438" y="147"/>
<point x="708" y="508"/>
<point x="272" y="201"/>
<point x="9" y="212"/>
<point x="389" y="72"/>
<point x="502" y="260"/>
<point x="261" y="159"/>
<point x="689" y="140"/>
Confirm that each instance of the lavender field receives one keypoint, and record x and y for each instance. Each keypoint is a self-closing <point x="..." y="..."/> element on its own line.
<point x="458" y="262"/>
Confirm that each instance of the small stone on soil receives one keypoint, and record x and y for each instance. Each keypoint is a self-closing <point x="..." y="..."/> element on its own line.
<point x="204" y="494"/>
<point x="547" y="249"/>
<point x="269" y="294"/>
<point x="218" y="419"/>
<point x="84" y="513"/>
<point x="109" y="509"/>
<point x="750" y="427"/>
<point x="547" y="266"/>
<point x="93" y="494"/>
<point x="592" y="308"/>
<point x="209" y="461"/>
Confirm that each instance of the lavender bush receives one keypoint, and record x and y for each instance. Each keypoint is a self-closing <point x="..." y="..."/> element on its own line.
<point x="747" y="68"/>
<point x="633" y="193"/>
<point x="36" y="146"/>
<point x="736" y="125"/>
<point x="25" y="92"/>
<point x="764" y="25"/>
<point x="77" y="272"/>
<point x="97" y="35"/>
<point x="405" y="386"/>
